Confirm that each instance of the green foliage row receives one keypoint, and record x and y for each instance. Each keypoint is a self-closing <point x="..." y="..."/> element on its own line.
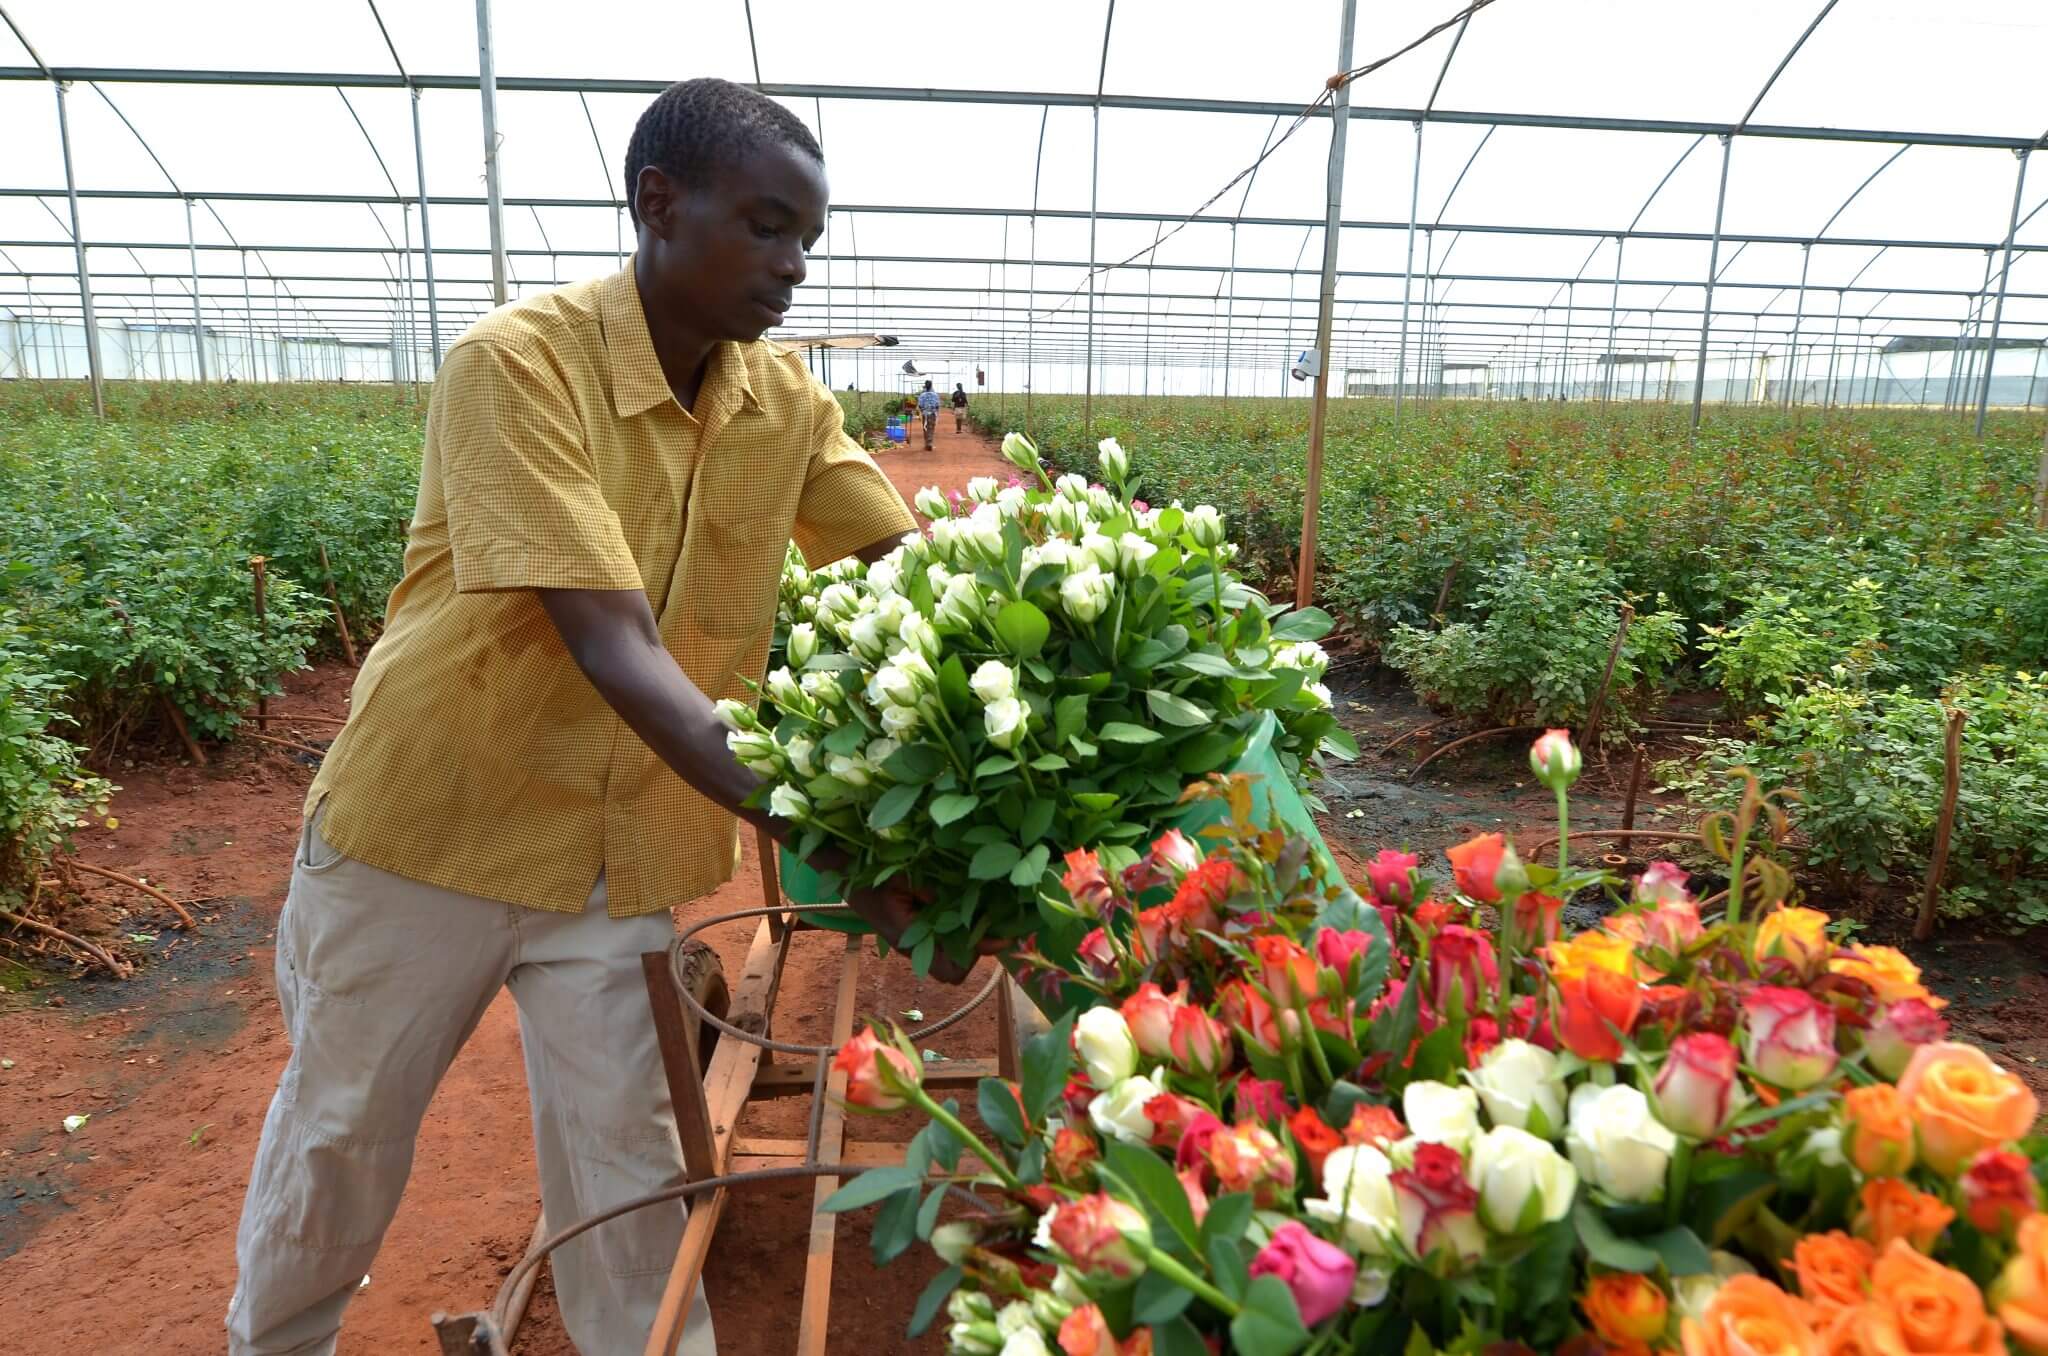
<point x="127" y="582"/>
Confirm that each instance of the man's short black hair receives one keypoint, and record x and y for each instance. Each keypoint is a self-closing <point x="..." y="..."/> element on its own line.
<point x="696" y="126"/>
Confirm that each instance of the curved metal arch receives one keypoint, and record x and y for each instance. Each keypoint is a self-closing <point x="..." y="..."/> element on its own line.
<point x="1414" y="200"/>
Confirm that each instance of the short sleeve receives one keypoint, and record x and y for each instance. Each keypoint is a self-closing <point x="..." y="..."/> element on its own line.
<point x="525" y="510"/>
<point x="847" y="502"/>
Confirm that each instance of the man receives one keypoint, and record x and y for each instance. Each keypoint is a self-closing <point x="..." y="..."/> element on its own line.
<point x="533" y="772"/>
<point x="959" y="407"/>
<point x="928" y="413"/>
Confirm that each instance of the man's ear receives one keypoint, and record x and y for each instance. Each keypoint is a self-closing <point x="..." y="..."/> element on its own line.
<point x="655" y="198"/>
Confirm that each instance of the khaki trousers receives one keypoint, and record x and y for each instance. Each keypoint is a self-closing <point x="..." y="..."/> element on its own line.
<point x="381" y="979"/>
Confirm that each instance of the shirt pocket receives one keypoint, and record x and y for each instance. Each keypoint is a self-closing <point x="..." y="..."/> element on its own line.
<point x="741" y="511"/>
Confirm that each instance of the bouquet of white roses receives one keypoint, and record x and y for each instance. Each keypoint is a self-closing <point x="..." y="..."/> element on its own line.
<point x="1049" y="664"/>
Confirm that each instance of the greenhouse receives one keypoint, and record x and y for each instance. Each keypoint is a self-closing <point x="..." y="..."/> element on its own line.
<point x="1121" y="679"/>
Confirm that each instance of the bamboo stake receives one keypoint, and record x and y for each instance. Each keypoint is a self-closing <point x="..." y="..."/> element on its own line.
<point x="348" y="648"/>
<point x="291" y="744"/>
<point x="1443" y="595"/>
<point x="1635" y="787"/>
<point x="1952" y="753"/>
<point x="256" y="564"/>
<point x="177" y="719"/>
<point x="1588" y="738"/>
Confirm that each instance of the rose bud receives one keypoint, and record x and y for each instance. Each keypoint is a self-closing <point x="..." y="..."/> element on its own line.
<point x="1523" y="1182"/>
<point x="1316" y="1273"/>
<point x="1261" y="1099"/>
<point x="1798" y="936"/>
<point x="1461" y="959"/>
<point x="1662" y="883"/>
<point x="1248" y="1158"/>
<point x="1287" y="971"/>
<point x="1626" y="1310"/>
<point x="1474" y="864"/>
<point x="1171" y="1116"/>
<point x="1102" y="1236"/>
<point x="1439" y="1209"/>
<point x="1097" y="955"/>
<point x="1899" y="1030"/>
<point x="1149" y="1013"/>
<point x="1246" y="1010"/>
<point x="1789" y="1036"/>
<point x="1555" y="759"/>
<point x="1697" y="1090"/>
<point x="1086" y="883"/>
<point x="1599" y="1007"/>
<point x="1999" y="1191"/>
<point x="1374" y="1125"/>
<point x="1315" y="1138"/>
<point x="1877" y="1131"/>
<point x="1198" y="1043"/>
<point x="1106" y="1047"/>
<point x="1073" y="1155"/>
<point x="1392" y="876"/>
<point x="1337" y="950"/>
<point x="877" y="1073"/>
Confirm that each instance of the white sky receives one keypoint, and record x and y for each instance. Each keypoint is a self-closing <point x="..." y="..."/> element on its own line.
<point x="1960" y="66"/>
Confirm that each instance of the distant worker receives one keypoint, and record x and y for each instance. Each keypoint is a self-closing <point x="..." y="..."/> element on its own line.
<point x="959" y="407"/>
<point x="928" y="413"/>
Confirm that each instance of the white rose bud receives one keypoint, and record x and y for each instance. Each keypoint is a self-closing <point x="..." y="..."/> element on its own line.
<point x="1522" y="1182"/>
<point x="993" y="681"/>
<point x="962" y="603"/>
<point x="1358" y="1194"/>
<point x="917" y="635"/>
<point x="1015" y="1317"/>
<point x="1102" y="549"/>
<point x="1025" y="1342"/>
<point x="823" y="688"/>
<point x="756" y="749"/>
<point x="1205" y="525"/>
<point x="799" y="754"/>
<point x="803" y="643"/>
<point x="1120" y="1112"/>
<point x="1116" y="463"/>
<point x="1066" y="516"/>
<point x="786" y="802"/>
<point x="1319" y="691"/>
<point x="865" y="635"/>
<point x="886" y="574"/>
<point x="1520" y="1085"/>
<point x="952" y="1240"/>
<point x="853" y="771"/>
<point x="1103" y="503"/>
<point x="931" y="502"/>
<point x="1107" y="1049"/>
<point x="982" y="489"/>
<point x="1438" y="1113"/>
<point x="1086" y="593"/>
<point x="1305" y="655"/>
<point x="901" y="721"/>
<point x="1005" y="720"/>
<point x="1011" y="500"/>
<point x="892" y="686"/>
<point x="783" y="689"/>
<point x="838" y="600"/>
<point x="1071" y="488"/>
<point x="734" y="715"/>
<point x="1617" y="1143"/>
<point x="985" y="532"/>
<point x="1132" y="554"/>
<point x="1019" y="452"/>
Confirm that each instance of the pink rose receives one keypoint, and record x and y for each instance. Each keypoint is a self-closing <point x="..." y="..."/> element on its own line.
<point x="1461" y="957"/>
<point x="1392" y="875"/>
<point x="1191" y="1183"/>
<point x="1337" y="949"/>
<point x="1696" y="1087"/>
<point x="1789" y="1036"/>
<point x="1438" y="1207"/>
<point x="1662" y="883"/>
<point x="1198" y="1043"/>
<point x="1318" y="1274"/>
<point x="1260" y="1099"/>
<point x="1149" y="1013"/>
<point x="1899" y="1030"/>
<point x="1193" y="1153"/>
<point x="1086" y="884"/>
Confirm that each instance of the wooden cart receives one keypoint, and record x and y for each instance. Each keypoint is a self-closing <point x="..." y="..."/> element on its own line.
<point x="719" y="1056"/>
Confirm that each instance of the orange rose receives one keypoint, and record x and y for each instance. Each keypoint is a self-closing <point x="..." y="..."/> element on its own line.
<point x="1833" y="1270"/>
<point x="1878" y="1131"/>
<point x="1886" y="970"/>
<point x="1962" y="1103"/>
<point x="1796" y="935"/>
<point x="1625" y="1309"/>
<point x="2020" y="1294"/>
<point x="1751" y="1317"/>
<point x="1918" y="1307"/>
<point x="1475" y="864"/>
<point x="1891" y="1212"/>
<point x="1570" y="959"/>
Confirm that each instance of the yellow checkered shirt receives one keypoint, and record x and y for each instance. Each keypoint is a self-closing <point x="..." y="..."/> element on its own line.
<point x="477" y="757"/>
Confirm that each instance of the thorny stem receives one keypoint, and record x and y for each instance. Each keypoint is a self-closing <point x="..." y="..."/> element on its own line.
<point x="967" y="1137"/>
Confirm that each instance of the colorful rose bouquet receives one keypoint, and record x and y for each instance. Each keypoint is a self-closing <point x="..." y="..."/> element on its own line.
<point x="1048" y="664"/>
<point x="1278" y="1131"/>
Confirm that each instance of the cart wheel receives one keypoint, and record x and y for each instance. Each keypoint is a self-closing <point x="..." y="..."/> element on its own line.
<point x="702" y="976"/>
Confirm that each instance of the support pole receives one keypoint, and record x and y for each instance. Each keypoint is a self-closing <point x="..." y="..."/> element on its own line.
<point x="487" y="86"/>
<point x="419" y="162"/>
<point x="1094" y="184"/>
<point x="1613" y="298"/>
<point x="1798" y="315"/>
<point x="1312" y="496"/>
<point x="1699" y="376"/>
<point x="198" y="326"/>
<point x="1998" y="308"/>
<point x="1408" y="272"/>
<point x="248" y="317"/>
<point x="92" y="327"/>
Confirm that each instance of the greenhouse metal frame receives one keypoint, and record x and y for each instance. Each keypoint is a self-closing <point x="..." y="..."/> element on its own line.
<point x="1051" y="315"/>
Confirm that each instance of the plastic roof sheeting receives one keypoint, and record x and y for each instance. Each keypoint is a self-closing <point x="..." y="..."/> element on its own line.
<point x="962" y="224"/>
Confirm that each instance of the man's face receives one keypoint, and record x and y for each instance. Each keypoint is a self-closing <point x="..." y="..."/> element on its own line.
<point x="725" y="255"/>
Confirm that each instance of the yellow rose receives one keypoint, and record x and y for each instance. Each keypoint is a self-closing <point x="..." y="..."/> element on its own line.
<point x="1569" y="960"/>
<point x="1886" y="970"/>
<point x="1796" y="935"/>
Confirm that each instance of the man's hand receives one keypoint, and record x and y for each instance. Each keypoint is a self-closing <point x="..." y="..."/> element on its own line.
<point x="892" y="907"/>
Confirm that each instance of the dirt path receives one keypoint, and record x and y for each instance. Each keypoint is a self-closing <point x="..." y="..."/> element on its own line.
<point x="120" y="1237"/>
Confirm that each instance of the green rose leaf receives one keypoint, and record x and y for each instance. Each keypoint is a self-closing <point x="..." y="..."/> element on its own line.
<point x="1023" y="628"/>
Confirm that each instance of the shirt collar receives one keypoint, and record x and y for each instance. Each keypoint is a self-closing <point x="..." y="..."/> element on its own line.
<point x="637" y="381"/>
